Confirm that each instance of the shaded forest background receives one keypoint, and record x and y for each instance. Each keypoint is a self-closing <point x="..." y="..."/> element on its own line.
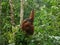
<point x="46" y="22"/>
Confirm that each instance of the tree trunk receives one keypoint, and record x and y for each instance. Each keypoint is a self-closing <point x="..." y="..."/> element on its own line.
<point x="11" y="12"/>
<point x="21" y="11"/>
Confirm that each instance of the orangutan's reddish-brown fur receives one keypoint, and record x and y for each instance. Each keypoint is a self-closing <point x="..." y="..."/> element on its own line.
<point x="27" y="24"/>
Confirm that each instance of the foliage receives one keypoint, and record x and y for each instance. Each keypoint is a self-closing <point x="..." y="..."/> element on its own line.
<point x="46" y="23"/>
